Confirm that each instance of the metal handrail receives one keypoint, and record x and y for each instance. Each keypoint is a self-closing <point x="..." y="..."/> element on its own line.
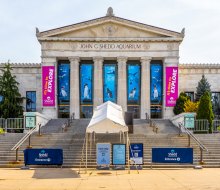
<point x="24" y="138"/>
<point x="198" y="142"/>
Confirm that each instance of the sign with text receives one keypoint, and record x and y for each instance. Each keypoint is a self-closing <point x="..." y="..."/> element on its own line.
<point x="43" y="156"/>
<point x="118" y="154"/>
<point x="172" y="155"/>
<point x="189" y="120"/>
<point x="103" y="153"/>
<point x="48" y="85"/>
<point x="136" y="153"/>
<point x="30" y="121"/>
<point x="171" y="86"/>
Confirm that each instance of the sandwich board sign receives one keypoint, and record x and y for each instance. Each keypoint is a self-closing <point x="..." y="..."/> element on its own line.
<point x="103" y="154"/>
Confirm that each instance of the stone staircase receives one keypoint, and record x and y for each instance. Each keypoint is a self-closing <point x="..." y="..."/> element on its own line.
<point x="71" y="141"/>
<point x="212" y="143"/>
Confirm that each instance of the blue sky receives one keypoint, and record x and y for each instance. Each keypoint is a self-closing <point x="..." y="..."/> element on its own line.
<point x="201" y="19"/>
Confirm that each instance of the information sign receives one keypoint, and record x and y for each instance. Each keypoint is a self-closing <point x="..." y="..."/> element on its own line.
<point x="103" y="153"/>
<point x="118" y="154"/>
<point x="136" y="153"/>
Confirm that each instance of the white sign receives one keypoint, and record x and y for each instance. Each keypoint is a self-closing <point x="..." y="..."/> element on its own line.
<point x="103" y="153"/>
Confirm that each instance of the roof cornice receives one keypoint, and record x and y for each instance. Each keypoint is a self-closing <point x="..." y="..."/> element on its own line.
<point x="62" y="39"/>
<point x="105" y="19"/>
<point x="199" y="66"/>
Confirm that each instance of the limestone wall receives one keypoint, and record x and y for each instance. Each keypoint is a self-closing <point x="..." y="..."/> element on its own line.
<point x="29" y="78"/>
<point x="191" y="74"/>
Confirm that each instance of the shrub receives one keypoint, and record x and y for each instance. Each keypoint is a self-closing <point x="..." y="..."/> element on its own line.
<point x="205" y="109"/>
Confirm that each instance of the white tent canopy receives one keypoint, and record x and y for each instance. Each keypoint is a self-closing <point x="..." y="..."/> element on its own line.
<point x="107" y="118"/>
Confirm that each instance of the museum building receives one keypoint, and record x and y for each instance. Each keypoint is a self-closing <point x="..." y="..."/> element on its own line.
<point x="110" y="59"/>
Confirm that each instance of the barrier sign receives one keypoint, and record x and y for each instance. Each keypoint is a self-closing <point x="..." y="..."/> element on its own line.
<point x="103" y="153"/>
<point x="172" y="155"/>
<point x="43" y="156"/>
<point x="118" y="154"/>
<point x="136" y="153"/>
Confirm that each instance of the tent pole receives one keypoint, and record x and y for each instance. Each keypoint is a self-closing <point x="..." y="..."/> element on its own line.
<point x="90" y="146"/>
<point x="128" y="154"/>
<point x="86" y="150"/>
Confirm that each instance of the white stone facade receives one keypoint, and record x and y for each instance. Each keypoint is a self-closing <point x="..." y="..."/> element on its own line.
<point x="111" y="38"/>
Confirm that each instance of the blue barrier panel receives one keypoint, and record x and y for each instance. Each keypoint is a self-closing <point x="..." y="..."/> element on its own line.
<point x="172" y="155"/>
<point x="43" y="156"/>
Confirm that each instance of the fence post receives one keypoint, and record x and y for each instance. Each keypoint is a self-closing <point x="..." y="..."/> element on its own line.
<point x="39" y="130"/>
<point x="17" y="155"/>
<point x="29" y="142"/>
<point x="180" y="125"/>
<point x="201" y="156"/>
<point x="6" y="125"/>
<point x="188" y="141"/>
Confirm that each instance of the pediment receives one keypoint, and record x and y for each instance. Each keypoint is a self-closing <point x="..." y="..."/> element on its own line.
<point x="108" y="27"/>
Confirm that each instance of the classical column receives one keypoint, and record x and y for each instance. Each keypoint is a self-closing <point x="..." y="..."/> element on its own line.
<point x="145" y="86"/>
<point x="122" y="85"/>
<point x="98" y="84"/>
<point x="74" y="87"/>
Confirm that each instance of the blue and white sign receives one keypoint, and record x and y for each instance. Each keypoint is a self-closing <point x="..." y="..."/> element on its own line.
<point x="134" y="81"/>
<point x="172" y="155"/>
<point x="136" y="153"/>
<point x="118" y="154"/>
<point x="43" y="156"/>
<point x="110" y="83"/>
<point x="103" y="153"/>
<point x="156" y="83"/>
<point x="86" y="83"/>
<point x="64" y="82"/>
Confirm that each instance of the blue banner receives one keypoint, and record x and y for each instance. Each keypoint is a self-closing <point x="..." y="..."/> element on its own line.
<point x="64" y="82"/>
<point x="136" y="153"/>
<point x="133" y="86"/>
<point x="43" y="156"/>
<point x="103" y="153"/>
<point x="118" y="154"/>
<point x="172" y="155"/>
<point x="86" y="83"/>
<point x="156" y="84"/>
<point x="110" y="83"/>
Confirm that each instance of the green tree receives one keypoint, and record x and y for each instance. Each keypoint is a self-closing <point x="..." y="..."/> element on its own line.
<point x="180" y="103"/>
<point x="191" y="106"/>
<point x="205" y="109"/>
<point x="203" y="86"/>
<point x="10" y="106"/>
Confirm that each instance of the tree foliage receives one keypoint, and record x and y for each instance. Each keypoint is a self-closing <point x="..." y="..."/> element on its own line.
<point x="10" y="106"/>
<point x="205" y="109"/>
<point x="190" y="106"/>
<point x="179" y="107"/>
<point x="203" y="86"/>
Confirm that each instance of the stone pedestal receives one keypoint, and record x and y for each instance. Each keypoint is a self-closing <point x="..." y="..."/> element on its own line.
<point x="145" y="86"/>
<point x="98" y="84"/>
<point x="74" y="87"/>
<point x="122" y="85"/>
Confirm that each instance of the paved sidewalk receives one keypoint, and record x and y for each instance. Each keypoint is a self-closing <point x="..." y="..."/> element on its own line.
<point x="66" y="179"/>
